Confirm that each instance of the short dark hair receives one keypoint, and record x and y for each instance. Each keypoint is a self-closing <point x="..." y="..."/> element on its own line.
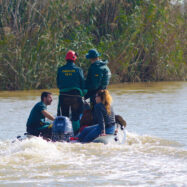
<point x="45" y="94"/>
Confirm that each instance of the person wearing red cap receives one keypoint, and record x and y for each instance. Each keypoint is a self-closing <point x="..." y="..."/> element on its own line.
<point x="70" y="81"/>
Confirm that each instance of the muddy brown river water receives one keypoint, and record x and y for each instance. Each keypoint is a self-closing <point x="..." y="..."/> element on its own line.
<point x="154" y="154"/>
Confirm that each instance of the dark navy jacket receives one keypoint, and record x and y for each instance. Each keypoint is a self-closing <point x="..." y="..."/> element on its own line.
<point x="102" y="118"/>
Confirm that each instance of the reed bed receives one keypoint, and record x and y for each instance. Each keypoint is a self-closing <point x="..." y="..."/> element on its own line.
<point x="143" y="40"/>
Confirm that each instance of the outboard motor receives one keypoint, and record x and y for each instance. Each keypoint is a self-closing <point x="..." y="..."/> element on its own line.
<point x="62" y="129"/>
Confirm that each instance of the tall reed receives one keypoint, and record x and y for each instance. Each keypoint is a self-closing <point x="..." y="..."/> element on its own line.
<point x="143" y="40"/>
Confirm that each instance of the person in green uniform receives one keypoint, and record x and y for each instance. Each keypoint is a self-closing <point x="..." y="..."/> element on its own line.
<point x="70" y="81"/>
<point x="98" y="76"/>
<point x="36" y="124"/>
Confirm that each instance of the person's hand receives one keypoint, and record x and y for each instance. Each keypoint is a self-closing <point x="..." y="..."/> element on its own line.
<point x="50" y="126"/>
<point x="103" y="133"/>
<point x="116" y="132"/>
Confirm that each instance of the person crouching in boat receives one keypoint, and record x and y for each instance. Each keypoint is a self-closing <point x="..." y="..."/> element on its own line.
<point x="36" y="124"/>
<point x="103" y="117"/>
<point x="70" y="81"/>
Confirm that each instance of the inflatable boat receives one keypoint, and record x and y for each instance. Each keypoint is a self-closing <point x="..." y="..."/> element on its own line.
<point x="62" y="132"/>
<point x="107" y="139"/>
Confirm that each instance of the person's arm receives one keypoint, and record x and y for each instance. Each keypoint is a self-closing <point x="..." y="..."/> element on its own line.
<point x="82" y="80"/>
<point x="99" y="118"/>
<point x="106" y="78"/>
<point x="48" y="115"/>
<point x="88" y="79"/>
<point x="57" y="78"/>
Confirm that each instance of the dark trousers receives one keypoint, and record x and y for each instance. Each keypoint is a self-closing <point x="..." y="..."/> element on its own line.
<point x="43" y="131"/>
<point x="46" y="132"/>
<point x="73" y="102"/>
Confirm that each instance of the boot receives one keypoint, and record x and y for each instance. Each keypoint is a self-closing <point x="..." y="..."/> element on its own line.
<point x="76" y="127"/>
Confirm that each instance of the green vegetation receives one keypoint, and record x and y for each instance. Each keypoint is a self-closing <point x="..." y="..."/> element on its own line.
<point x="144" y="40"/>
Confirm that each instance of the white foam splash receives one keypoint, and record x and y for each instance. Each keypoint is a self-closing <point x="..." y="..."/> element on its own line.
<point x="142" y="159"/>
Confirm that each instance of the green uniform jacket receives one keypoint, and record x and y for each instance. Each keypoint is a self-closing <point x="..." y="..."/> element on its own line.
<point x="70" y="77"/>
<point x="98" y="76"/>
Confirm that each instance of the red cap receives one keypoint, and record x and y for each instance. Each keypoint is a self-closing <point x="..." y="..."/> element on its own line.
<point x="71" y="55"/>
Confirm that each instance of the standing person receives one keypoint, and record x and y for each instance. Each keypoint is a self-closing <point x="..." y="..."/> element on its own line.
<point x="98" y="75"/>
<point x="103" y="117"/>
<point x="70" y="81"/>
<point x="36" y="124"/>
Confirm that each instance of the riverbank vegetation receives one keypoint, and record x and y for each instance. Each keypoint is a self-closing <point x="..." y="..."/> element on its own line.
<point x="143" y="40"/>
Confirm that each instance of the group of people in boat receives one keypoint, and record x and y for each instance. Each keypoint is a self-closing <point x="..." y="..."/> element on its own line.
<point x="73" y="87"/>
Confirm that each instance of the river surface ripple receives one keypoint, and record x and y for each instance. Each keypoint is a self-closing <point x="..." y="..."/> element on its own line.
<point x="154" y="154"/>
